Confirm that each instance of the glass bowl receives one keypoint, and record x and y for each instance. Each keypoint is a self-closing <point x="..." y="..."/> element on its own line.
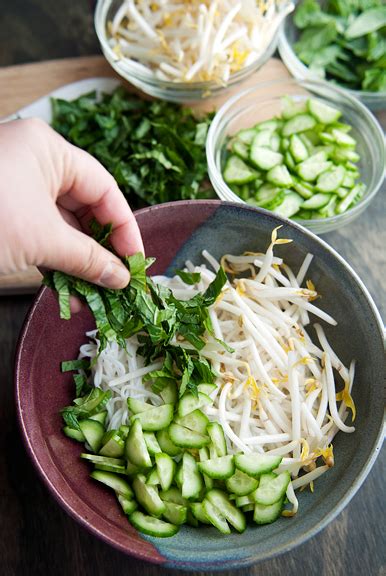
<point x="288" y="36"/>
<point x="262" y="102"/>
<point x="142" y="78"/>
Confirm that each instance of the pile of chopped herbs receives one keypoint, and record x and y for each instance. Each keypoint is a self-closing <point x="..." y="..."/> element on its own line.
<point x="155" y="150"/>
<point x="150" y="311"/>
<point x="345" y="41"/>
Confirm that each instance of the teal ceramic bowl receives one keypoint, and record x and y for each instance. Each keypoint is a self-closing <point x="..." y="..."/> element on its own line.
<point x="174" y="232"/>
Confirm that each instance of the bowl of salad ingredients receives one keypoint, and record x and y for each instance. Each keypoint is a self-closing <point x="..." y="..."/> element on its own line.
<point x="341" y="41"/>
<point x="304" y="149"/>
<point x="217" y="411"/>
<point x="189" y="51"/>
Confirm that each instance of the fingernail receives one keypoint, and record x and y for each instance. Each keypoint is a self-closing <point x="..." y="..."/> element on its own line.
<point x="114" y="276"/>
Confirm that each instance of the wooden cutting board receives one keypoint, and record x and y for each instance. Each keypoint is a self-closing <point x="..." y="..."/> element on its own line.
<point x="21" y="85"/>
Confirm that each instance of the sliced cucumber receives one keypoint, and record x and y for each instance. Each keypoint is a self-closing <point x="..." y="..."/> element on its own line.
<point x="96" y="459"/>
<point x="173" y="495"/>
<point x="289" y="160"/>
<point x="241" y="484"/>
<point x="236" y="171"/>
<point x="175" y="513"/>
<point x="272" y="488"/>
<point x="99" y="416"/>
<point x="290" y="205"/>
<point x="198" y="511"/>
<point x="331" y="180"/>
<point x="215" y="517"/>
<point x="343" y="139"/>
<point x="137" y="406"/>
<point x="206" y="388"/>
<point x="186" y="438"/>
<point x="74" y="434"/>
<point x="280" y="176"/>
<point x="152" y="443"/>
<point x="266" y="194"/>
<point x="240" y="149"/>
<point x="117" y="483"/>
<point x="275" y="142"/>
<point x="298" y="149"/>
<point x="135" y="447"/>
<point x="156" y="418"/>
<point x="93" y="431"/>
<point x="112" y="445"/>
<point x="263" y="138"/>
<point x="111" y="468"/>
<point x="169" y="393"/>
<point x="309" y="171"/>
<point x="153" y="478"/>
<point x="316" y="202"/>
<point x="196" y="421"/>
<point x="299" y="123"/>
<point x="189" y="403"/>
<point x="166" y="443"/>
<point x="303" y="189"/>
<point x="152" y="526"/>
<point x="242" y="501"/>
<point x="291" y="107"/>
<point x="246" y="135"/>
<point x="267" y="514"/>
<point x="128" y="505"/>
<point x="221" y="501"/>
<point x="218" y="468"/>
<point x="344" y="204"/>
<point x="322" y="112"/>
<point x="255" y="464"/>
<point x="147" y="497"/>
<point x="132" y="469"/>
<point x="217" y="437"/>
<point x="264" y="158"/>
<point x="166" y="468"/>
<point x="192" y="482"/>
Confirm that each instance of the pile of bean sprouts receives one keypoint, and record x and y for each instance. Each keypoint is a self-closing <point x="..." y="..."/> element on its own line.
<point x="195" y="40"/>
<point x="277" y="392"/>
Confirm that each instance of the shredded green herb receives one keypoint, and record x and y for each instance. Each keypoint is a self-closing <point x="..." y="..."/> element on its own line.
<point x="155" y="150"/>
<point x="345" y="41"/>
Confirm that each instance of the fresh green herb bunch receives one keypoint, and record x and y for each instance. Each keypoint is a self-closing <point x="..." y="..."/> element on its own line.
<point x="344" y="41"/>
<point x="152" y="312"/>
<point x="155" y="150"/>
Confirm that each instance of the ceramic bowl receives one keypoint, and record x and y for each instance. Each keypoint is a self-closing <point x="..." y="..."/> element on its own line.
<point x="174" y="232"/>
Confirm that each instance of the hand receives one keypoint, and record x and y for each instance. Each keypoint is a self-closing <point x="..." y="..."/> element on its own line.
<point x="49" y="192"/>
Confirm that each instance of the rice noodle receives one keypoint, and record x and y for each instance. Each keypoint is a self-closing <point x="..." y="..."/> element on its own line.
<point x="276" y="393"/>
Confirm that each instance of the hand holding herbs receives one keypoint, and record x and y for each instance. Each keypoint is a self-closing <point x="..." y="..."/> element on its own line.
<point x="344" y="41"/>
<point x="49" y="191"/>
<point x="154" y="150"/>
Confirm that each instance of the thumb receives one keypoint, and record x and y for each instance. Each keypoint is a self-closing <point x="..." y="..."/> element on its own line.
<point x="75" y="253"/>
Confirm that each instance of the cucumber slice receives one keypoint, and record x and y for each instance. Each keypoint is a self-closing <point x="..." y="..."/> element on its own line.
<point x="298" y="149"/>
<point x="270" y="125"/>
<point x="147" y="497"/>
<point x="299" y="123"/>
<point x="117" y="483"/>
<point x="111" y="468"/>
<point x="196" y="421"/>
<point x="343" y="139"/>
<point x="93" y="431"/>
<point x="178" y="476"/>
<point x="309" y="171"/>
<point x="327" y="138"/>
<point x="192" y="483"/>
<point x="135" y="447"/>
<point x="240" y="149"/>
<point x="186" y="438"/>
<point x="317" y="201"/>
<point x="112" y="445"/>
<point x="206" y="388"/>
<point x="266" y="194"/>
<point x="330" y="180"/>
<point x="166" y="444"/>
<point x="342" y="192"/>
<point x="236" y="171"/>
<point x="288" y="159"/>
<point x="344" y="204"/>
<point x="349" y="180"/>
<point x="173" y="495"/>
<point x="96" y="459"/>
<point x="275" y="142"/>
<point x="198" y="511"/>
<point x="74" y="434"/>
<point x="267" y="514"/>
<point x="322" y="112"/>
<point x="263" y="138"/>
<point x="137" y="406"/>
<point x="241" y="484"/>
<point x="291" y="107"/>
<point x="156" y="418"/>
<point x="345" y="155"/>
<point x="175" y="513"/>
<point x="203" y="455"/>
<point x="284" y="144"/>
<point x="272" y="488"/>
<point x="218" y="468"/>
<point x="248" y="508"/>
<point x="217" y="437"/>
<point x="169" y="393"/>
<point x="246" y="135"/>
<point x="128" y="505"/>
<point x="221" y="501"/>
<point x="152" y="526"/>
<point x="151" y="443"/>
<point x="215" y="517"/>
<point x="290" y="205"/>
<point x="166" y="468"/>
<point x="280" y="176"/>
<point x="303" y="189"/>
<point x="256" y="464"/>
<point x="99" y="417"/>
<point x="264" y="158"/>
<point x="132" y="469"/>
<point x="329" y="209"/>
<point x="153" y="478"/>
<point x="189" y="403"/>
<point x="242" y="501"/>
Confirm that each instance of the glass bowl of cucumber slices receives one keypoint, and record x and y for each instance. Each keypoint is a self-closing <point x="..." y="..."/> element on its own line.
<point x="303" y="149"/>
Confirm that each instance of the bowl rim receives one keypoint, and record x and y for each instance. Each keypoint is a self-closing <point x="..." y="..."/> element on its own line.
<point x="156" y="557"/>
<point x="330" y="222"/>
<point x="287" y="54"/>
<point x="143" y="74"/>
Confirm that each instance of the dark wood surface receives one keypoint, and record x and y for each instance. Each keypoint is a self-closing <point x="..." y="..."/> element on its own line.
<point x="36" y="536"/>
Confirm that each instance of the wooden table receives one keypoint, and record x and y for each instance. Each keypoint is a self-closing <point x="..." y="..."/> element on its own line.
<point x="38" y="538"/>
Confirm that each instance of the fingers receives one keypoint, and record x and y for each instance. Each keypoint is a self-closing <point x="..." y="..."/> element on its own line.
<point x="75" y="253"/>
<point x="90" y="191"/>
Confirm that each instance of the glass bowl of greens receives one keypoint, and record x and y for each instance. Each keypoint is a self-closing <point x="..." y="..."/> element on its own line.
<point x="341" y="41"/>
<point x="188" y="55"/>
<point x="303" y="149"/>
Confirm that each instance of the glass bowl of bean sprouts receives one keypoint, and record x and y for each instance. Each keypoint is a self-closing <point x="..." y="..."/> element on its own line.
<point x="263" y="102"/>
<point x="190" y="53"/>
